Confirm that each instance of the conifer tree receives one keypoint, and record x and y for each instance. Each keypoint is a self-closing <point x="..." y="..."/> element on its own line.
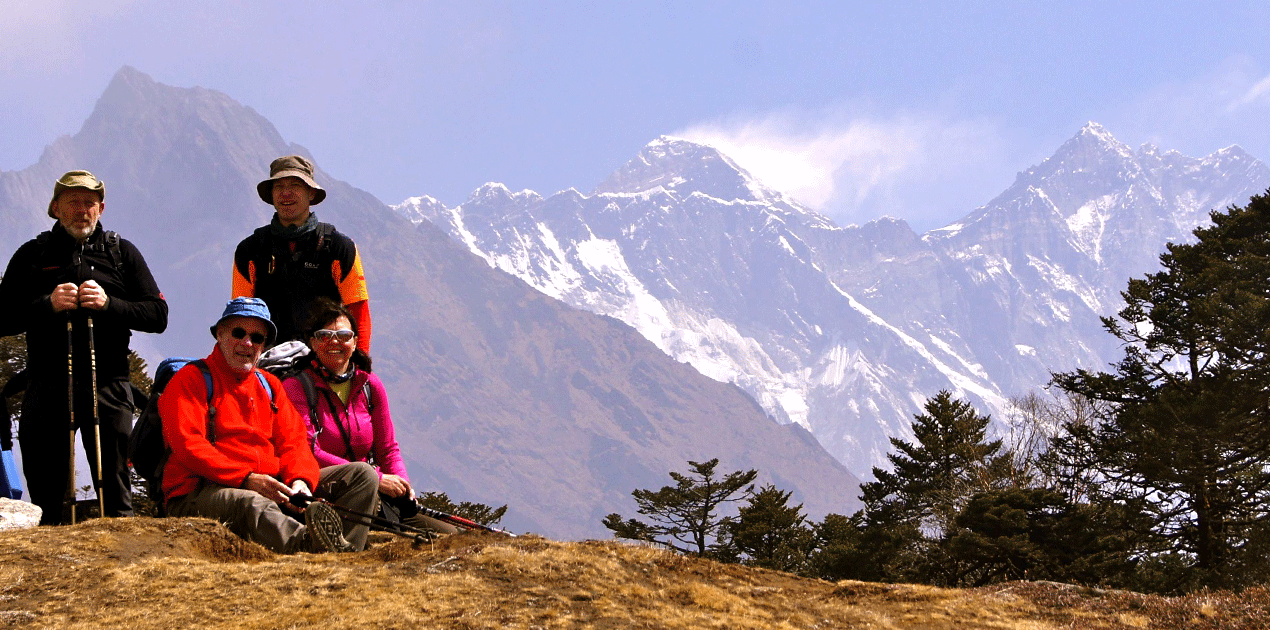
<point x="684" y="516"/>
<point x="476" y="512"/>
<point x="12" y="361"/>
<point x="930" y="480"/>
<point x="1183" y="432"/>
<point x="770" y="533"/>
<point x="910" y="508"/>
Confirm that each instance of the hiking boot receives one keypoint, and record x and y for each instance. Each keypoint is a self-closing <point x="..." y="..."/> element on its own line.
<point x="324" y="529"/>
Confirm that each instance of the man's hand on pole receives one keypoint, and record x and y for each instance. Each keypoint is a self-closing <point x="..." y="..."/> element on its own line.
<point x="91" y="295"/>
<point x="65" y="297"/>
<point x="268" y="487"/>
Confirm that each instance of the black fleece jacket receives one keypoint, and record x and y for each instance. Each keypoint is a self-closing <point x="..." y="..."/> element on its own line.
<point x="54" y="258"/>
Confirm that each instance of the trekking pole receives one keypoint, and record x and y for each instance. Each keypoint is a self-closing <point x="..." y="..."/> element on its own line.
<point x="419" y="535"/>
<point x="459" y="521"/>
<point x="70" y="407"/>
<point x="92" y="363"/>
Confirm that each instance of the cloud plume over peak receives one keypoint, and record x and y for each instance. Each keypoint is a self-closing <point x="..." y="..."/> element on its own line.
<point x="925" y="169"/>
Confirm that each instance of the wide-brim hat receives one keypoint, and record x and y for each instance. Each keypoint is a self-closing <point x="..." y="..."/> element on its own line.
<point x="248" y="307"/>
<point x="76" y="179"/>
<point x="290" y="166"/>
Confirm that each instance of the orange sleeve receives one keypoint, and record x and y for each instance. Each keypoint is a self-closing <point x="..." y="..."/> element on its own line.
<point x="243" y="286"/>
<point x="361" y="312"/>
<point x="355" y="296"/>
<point x="353" y="285"/>
<point x="291" y="439"/>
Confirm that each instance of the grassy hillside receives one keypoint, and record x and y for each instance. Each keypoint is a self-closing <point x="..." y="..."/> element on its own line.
<point x="192" y="573"/>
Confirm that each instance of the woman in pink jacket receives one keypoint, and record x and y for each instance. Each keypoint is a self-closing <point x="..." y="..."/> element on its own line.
<point x="349" y="420"/>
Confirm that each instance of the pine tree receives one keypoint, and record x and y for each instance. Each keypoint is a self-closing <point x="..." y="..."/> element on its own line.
<point x="684" y="515"/>
<point x="1037" y="534"/>
<point x="1182" y="433"/>
<point x="12" y="361"/>
<point x="930" y="480"/>
<point x="910" y="508"/>
<point x="475" y="512"/>
<point x="770" y="533"/>
<point x="841" y="552"/>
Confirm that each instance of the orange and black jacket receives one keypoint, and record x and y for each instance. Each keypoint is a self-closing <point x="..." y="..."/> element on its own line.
<point x="290" y="273"/>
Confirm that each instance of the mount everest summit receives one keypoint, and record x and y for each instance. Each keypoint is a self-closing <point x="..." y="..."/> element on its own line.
<point x="848" y="330"/>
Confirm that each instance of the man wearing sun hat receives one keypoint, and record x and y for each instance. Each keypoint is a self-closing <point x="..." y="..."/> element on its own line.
<point x="241" y="463"/>
<point x="296" y="258"/>
<point x="53" y="285"/>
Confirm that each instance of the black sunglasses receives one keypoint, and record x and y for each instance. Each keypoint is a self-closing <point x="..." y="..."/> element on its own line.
<point x="256" y="338"/>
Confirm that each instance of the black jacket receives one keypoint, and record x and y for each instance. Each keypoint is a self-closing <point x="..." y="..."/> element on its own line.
<point x="54" y="258"/>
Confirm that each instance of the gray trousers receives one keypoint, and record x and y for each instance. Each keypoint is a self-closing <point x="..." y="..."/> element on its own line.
<point x="256" y="518"/>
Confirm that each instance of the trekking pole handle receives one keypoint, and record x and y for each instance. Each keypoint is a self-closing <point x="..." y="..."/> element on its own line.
<point x="301" y="500"/>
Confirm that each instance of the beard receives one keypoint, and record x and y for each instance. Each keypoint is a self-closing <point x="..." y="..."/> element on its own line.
<point x="80" y="233"/>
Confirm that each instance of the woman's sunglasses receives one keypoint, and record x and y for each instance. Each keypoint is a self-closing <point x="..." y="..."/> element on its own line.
<point x="326" y="334"/>
<point x="239" y="333"/>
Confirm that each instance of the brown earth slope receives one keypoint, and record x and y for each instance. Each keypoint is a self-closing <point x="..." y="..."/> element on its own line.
<point x="192" y="573"/>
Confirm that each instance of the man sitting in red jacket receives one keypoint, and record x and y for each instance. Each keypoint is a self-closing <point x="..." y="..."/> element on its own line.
<point x="242" y="463"/>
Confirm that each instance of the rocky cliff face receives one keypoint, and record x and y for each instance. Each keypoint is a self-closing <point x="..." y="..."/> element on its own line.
<point x="848" y="330"/>
<point x="500" y="394"/>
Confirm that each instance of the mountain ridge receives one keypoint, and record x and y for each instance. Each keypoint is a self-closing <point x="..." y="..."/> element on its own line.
<point x="499" y="394"/>
<point x="847" y="330"/>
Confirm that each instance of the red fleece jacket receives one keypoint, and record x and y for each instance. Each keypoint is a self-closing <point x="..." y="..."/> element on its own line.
<point x="249" y="437"/>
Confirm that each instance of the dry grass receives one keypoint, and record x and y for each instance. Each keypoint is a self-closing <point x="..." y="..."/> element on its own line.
<point x="192" y="573"/>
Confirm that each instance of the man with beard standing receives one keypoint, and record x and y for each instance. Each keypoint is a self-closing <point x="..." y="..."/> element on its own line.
<point x="72" y="287"/>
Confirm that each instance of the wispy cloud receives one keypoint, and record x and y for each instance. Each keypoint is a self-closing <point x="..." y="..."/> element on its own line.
<point x="1199" y="114"/>
<point x="1259" y="93"/>
<point x="924" y="169"/>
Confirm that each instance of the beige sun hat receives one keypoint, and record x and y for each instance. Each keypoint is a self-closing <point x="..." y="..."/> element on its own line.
<point x="76" y="179"/>
<point x="290" y="166"/>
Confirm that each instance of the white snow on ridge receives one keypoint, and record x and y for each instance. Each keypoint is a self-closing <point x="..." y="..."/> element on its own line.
<point x="1060" y="280"/>
<point x="1088" y="223"/>
<point x="958" y="380"/>
<point x="468" y="238"/>
<point x="640" y="309"/>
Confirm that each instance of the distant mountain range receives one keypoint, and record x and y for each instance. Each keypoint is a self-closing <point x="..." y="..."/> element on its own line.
<point x="848" y="330"/>
<point x="500" y="394"/>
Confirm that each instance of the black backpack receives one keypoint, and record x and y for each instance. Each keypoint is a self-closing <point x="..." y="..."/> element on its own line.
<point x="146" y="449"/>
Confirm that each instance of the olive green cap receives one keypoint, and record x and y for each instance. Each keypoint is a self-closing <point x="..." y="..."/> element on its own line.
<point x="290" y="166"/>
<point x="76" y="179"/>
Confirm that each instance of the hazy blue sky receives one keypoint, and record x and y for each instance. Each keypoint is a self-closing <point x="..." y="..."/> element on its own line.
<point x="920" y="110"/>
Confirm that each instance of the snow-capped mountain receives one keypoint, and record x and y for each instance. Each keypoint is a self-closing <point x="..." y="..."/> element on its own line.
<point x="848" y="330"/>
<point x="498" y="394"/>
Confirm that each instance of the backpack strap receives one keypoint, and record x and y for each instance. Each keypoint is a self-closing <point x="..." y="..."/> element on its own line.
<point x="310" y="396"/>
<point x="273" y="398"/>
<point x="370" y="400"/>
<point x="211" y="410"/>
<point x="324" y="231"/>
<point x="113" y="250"/>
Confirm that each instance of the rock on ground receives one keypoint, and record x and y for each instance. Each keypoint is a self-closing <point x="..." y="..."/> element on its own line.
<point x="18" y="514"/>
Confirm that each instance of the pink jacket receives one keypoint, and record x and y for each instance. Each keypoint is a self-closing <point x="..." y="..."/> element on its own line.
<point x="367" y="428"/>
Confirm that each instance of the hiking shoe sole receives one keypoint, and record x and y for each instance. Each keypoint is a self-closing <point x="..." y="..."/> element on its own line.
<point x="324" y="529"/>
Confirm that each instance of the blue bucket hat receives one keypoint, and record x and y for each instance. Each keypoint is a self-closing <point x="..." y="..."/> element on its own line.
<point x="248" y="307"/>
